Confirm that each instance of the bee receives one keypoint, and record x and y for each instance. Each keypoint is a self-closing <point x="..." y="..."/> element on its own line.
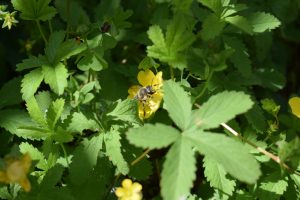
<point x="105" y="27"/>
<point x="144" y="93"/>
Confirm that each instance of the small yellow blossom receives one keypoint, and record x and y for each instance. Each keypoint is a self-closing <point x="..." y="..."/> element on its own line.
<point x="295" y="105"/>
<point x="129" y="190"/>
<point x="9" y="20"/>
<point x="149" y="105"/>
<point x="16" y="172"/>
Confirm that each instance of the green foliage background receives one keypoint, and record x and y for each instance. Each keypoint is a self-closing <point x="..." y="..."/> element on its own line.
<point x="65" y="70"/>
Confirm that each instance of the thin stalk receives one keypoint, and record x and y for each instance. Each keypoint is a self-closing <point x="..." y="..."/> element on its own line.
<point x="68" y="17"/>
<point x="138" y="159"/>
<point x="41" y="31"/>
<point x="261" y="150"/>
<point x="205" y="86"/>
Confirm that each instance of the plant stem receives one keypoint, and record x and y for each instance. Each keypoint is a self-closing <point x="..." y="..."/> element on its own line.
<point x="205" y="86"/>
<point x="41" y="31"/>
<point x="65" y="154"/>
<point x="138" y="159"/>
<point x="50" y="26"/>
<point x="171" y="73"/>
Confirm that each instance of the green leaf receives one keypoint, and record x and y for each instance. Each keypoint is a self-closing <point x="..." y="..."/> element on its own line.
<point x="153" y="136"/>
<point x="147" y="63"/>
<point x="255" y="117"/>
<point x="178" y="171"/>
<point x="4" y="193"/>
<point x="54" y="112"/>
<point x="12" y="120"/>
<point x="61" y="135"/>
<point x="261" y="22"/>
<point x="214" y="5"/>
<point x="159" y="47"/>
<point x="69" y="48"/>
<point x="241" y="23"/>
<point x="272" y="186"/>
<point x="289" y="153"/>
<point x="32" y="62"/>
<point x="31" y="83"/>
<point x="52" y="177"/>
<point x="270" y="78"/>
<point x="177" y="103"/>
<point x="216" y="175"/>
<point x="53" y="45"/>
<point x="125" y="111"/>
<point x="240" y="57"/>
<point x="231" y="154"/>
<point x="113" y="151"/>
<point x="35" y="154"/>
<point x="92" y="61"/>
<point x="221" y="108"/>
<point x="270" y="106"/>
<point x="212" y="27"/>
<point x="10" y="93"/>
<point x="80" y="122"/>
<point x="34" y="9"/>
<point x="179" y="37"/>
<point x="56" y="76"/>
<point x="35" y="112"/>
<point x="85" y="158"/>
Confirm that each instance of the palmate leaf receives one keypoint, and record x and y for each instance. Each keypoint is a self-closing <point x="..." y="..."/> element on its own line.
<point x="31" y="83"/>
<point x="34" y="9"/>
<point x="216" y="175"/>
<point x="35" y="154"/>
<point x="178" y="38"/>
<point x="214" y="5"/>
<point x="220" y="108"/>
<point x="231" y="154"/>
<point x="177" y="103"/>
<point x="153" y="136"/>
<point x="178" y="171"/>
<point x="56" y="76"/>
<point x="113" y="151"/>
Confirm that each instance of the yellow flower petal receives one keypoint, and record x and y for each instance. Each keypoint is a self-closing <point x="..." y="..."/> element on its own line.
<point x="144" y="110"/>
<point x="295" y="106"/>
<point x="157" y="81"/>
<point x="3" y="177"/>
<point x="136" y="187"/>
<point x="132" y="91"/>
<point x="120" y="192"/>
<point x="146" y="78"/>
<point x="25" y="184"/>
<point x="126" y="183"/>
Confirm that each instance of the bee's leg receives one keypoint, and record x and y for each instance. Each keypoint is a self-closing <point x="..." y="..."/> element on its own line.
<point x="144" y="109"/>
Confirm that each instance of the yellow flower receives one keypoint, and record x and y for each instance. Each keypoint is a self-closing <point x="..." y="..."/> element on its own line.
<point x="150" y="103"/>
<point x="129" y="190"/>
<point x="16" y="172"/>
<point x="295" y="106"/>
